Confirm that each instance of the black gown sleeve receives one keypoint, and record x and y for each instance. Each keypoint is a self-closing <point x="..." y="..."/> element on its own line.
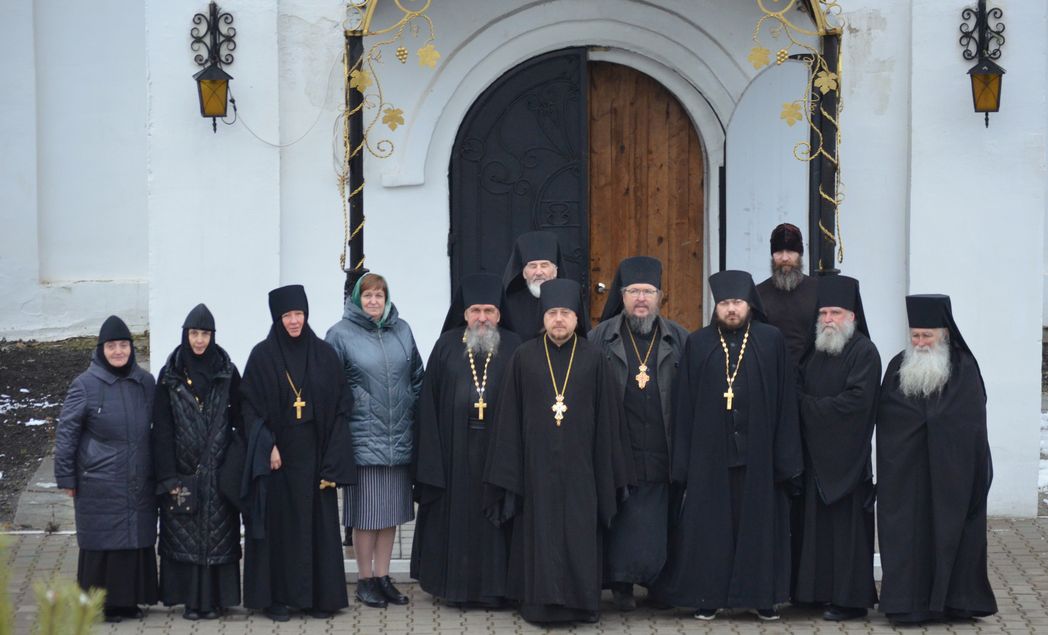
<point x="163" y="438"/>
<point x="429" y="465"/>
<point x="337" y="464"/>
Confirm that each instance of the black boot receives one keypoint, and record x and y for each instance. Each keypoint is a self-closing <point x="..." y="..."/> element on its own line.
<point x="622" y="594"/>
<point x="278" y="613"/>
<point x="842" y="613"/>
<point x="385" y="584"/>
<point x="369" y="594"/>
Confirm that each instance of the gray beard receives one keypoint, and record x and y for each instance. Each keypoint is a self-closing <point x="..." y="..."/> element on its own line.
<point x="642" y="325"/>
<point x="482" y="340"/>
<point x="924" y="373"/>
<point x="535" y="288"/>
<point x="830" y="340"/>
<point x="787" y="280"/>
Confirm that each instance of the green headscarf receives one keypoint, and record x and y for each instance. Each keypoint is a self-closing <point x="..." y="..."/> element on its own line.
<point x="355" y="299"/>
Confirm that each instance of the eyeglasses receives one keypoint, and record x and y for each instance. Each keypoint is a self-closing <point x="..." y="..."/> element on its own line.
<point x="644" y="293"/>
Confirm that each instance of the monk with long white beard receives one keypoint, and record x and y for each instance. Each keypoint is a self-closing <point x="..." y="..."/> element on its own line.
<point x="934" y="472"/>
<point x="838" y="399"/>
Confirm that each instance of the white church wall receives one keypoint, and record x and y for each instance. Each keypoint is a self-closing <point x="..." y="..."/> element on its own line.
<point x="74" y="244"/>
<point x="977" y="203"/>
<point x="214" y="199"/>
<point x="766" y="184"/>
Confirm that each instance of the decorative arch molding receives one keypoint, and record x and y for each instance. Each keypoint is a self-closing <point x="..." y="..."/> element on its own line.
<point x="697" y="68"/>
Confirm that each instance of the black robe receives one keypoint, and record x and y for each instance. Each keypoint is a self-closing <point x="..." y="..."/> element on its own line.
<point x="838" y="400"/>
<point x="934" y="472"/>
<point x="523" y="313"/>
<point x="560" y="484"/>
<point x="293" y="552"/>
<point x="730" y="545"/>
<point x="457" y="553"/>
<point x="793" y="313"/>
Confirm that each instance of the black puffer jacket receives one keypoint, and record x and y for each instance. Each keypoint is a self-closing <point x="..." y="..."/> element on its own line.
<point x="181" y="428"/>
<point x="102" y="451"/>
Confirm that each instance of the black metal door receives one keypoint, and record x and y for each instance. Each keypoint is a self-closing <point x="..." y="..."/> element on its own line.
<point x="519" y="164"/>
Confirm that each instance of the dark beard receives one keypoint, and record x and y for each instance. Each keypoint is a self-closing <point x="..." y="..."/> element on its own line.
<point x="724" y="327"/>
<point x="641" y="326"/>
<point x="787" y="280"/>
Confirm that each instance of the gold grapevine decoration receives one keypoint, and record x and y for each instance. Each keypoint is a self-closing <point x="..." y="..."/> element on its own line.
<point x="412" y="26"/>
<point x="824" y="79"/>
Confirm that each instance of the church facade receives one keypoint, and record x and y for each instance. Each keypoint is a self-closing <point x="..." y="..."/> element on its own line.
<point x="627" y="127"/>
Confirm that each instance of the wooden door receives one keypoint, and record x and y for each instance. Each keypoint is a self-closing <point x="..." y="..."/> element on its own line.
<point x="645" y="188"/>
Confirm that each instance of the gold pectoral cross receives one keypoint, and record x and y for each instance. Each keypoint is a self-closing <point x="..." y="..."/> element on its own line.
<point x="642" y="377"/>
<point x="559" y="408"/>
<point x="480" y="406"/>
<point x="730" y="395"/>
<point x="299" y="405"/>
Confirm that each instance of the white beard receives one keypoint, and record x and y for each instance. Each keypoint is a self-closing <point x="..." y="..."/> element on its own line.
<point x="831" y="340"/>
<point x="482" y="340"/>
<point x="535" y="287"/>
<point x="924" y="373"/>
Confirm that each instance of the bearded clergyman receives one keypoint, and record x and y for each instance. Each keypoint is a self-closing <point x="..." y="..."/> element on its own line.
<point x="536" y="259"/>
<point x="934" y="472"/>
<point x="557" y="468"/>
<point x="736" y="460"/>
<point x="643" y="350"/>
<point x="458" y="555"/>
<point x="788" y="296"/>
<point x="838" y="397"/>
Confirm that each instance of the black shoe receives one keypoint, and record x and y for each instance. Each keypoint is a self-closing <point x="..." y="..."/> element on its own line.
<point x="591" y="618"/>
<point x="369" y="594"/>
<point x="766" y="615"/>
<point x="113" y="615"/>
<point x="209" y="615"/>
<point x="706" y="615"/>
<point x="319" y="615"/>
<point x="278" y="613"/>
<point x="622" y="596"/>
<point x="131" y="612"/>
<point x="843" y="613"/>
<point x="191" y="615"/>
<point x="385" y="585"/>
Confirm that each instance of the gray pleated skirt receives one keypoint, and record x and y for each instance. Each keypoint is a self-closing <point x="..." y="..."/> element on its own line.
<point x="380" y="499"/>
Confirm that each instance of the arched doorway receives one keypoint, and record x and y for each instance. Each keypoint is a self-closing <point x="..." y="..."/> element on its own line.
<point x="598" y="153"/>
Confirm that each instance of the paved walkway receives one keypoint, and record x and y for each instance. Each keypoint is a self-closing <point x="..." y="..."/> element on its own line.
<point x="1018" y="552"/>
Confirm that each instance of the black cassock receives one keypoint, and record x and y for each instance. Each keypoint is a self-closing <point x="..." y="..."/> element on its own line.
<point x="793" y="313"/>
<point x="559" y="484"/>
<point x="934" y="472"/>
<point x="293" y="548"/>
<point x="730" y="546"/>
<point x="838" y="406"/>
<point x="458" y="554"/>
<point x="523" y="313"/>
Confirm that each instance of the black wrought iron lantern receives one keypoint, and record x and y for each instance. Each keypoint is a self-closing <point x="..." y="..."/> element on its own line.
<point x="982" y="41"/>
<point x="212" y="81"/>
<point x="213" y="90"/>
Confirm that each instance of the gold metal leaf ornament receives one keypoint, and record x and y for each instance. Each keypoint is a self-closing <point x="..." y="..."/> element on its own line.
<point x="428" y="55"/>
<point x="759" y="57"/>
<point x="360" y="79"/>
<point x="826" y="81"/>
<point x="791" y="113"/>
<point x="393" y="117"/>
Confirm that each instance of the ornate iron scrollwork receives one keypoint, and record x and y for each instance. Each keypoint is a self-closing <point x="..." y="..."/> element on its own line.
<point x="213" y="39"/>
<point x="979" y="38"/>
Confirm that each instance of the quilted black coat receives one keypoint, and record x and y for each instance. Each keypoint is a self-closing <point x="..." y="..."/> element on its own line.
<point x="183" y="422"/>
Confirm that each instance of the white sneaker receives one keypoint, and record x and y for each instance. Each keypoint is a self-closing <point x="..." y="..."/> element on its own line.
<point x="706" y="614"/>
<point x="766" y="615"/>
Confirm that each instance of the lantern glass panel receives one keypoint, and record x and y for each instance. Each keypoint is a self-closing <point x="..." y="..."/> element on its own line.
<point x="213" y="97"/>
<point x="986" y="92"/>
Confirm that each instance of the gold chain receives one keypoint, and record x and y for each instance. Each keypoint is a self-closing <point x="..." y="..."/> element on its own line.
<point x="559" y="407"/>
<point x="727" y="358"/>
<point x="297" y="391"/>
<point x="480" y="385"/>
<point x="654" y="338"/>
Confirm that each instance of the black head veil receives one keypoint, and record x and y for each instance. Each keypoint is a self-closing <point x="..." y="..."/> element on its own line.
<point x="843" y="291"/>
<point x="476" y="288"/>
<point x="540" y="245"/>
<point x="732" y="284"/>
<point x="636" y="270"/>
